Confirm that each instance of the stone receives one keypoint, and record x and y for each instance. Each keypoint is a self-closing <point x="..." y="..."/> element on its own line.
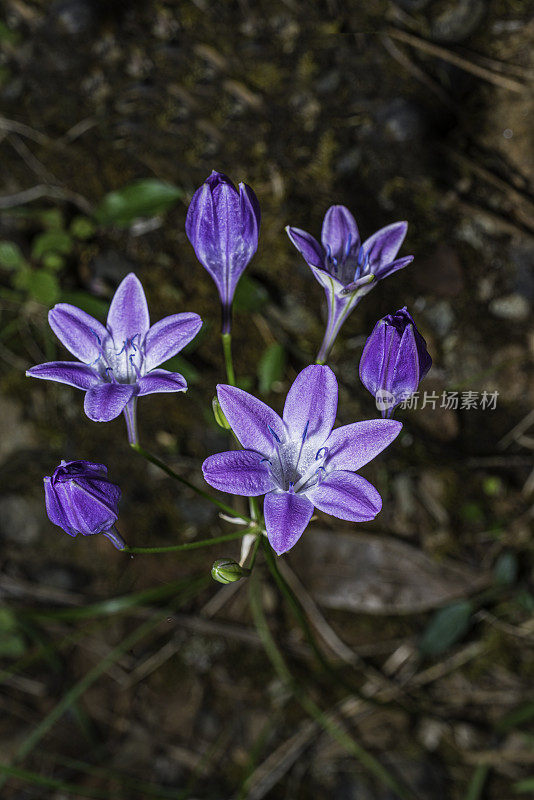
<point x="373" y="574"/>
<point x="513" y="307"/>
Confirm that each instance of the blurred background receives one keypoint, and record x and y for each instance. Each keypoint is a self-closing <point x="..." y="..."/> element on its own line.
<point x="138" y="677"/>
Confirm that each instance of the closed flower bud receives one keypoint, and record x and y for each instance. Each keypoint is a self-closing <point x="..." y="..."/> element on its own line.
<point x="226" y="570"/>
<point x="223" y="225"/>
<point x="394" y="360"/>
<point x="80" y="498"/>
<point x="220" y="419"/>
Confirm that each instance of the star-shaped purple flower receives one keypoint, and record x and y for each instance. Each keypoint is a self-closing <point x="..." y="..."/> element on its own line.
<point x="345" y="267"/>
<point x="298" y="461"/>
<point x="118" y="361"/>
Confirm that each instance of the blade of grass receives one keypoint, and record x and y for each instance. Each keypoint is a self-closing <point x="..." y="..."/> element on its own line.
<point x="149" y="789"/>
<point x="277" y="660"/>
<point x="50" y="783"/>
<point x="90" y="677"/>
<point x="477" y="782"/>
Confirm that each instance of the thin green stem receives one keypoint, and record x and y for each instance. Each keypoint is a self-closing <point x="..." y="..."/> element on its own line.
<point x="309" y="705"/>
<point x="229" y="364"/>
<point x="477" y="782"/>
<point x="259" y="537"/>
<point x="172" y="474"/>
<point x="173" y="548"/>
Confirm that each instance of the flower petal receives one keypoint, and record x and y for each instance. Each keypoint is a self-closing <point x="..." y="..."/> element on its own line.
<point x="70" y="372"/>
<point x="389" y="269"/>
<point x="81" y="333"/>
<point x="242" y="472"/>
<point x="346" y="496"/>
<point x="161" y="380"/>
<point x="311" y="405"/>
<point x="383" y="246"/>
<point x="332" y="286"/>
<point x="222" y="224"/>
<point x="252" y="421"/>
<point x="339" y="231"/>
<point x="286" y="518"/>
<point x="54" y="508"/>
<point x="86" y="512"/>
<point x="105" y="402"/>
<point x="307" y="246"/>
<point x="352" y="446"/>
<point x="128" y="312"/>
<point x="168" y="336"/>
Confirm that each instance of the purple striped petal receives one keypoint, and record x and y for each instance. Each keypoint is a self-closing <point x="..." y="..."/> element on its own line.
<point x="84" y="511"/>
<point x="128" y="312"/>
<point x="352" y="446"/>
<point x="81" y="333"/>
<point x="346" y="496"/>
<point x="161" y="380"/>
<point x="252" y="421"/>
<point x="70" y="372"/>
<point x="383" y="246"/>
<point x="389" y="269"/>
<point x="168" y="336"/>
<point x="311" y="405"/>
<point x="243" y="472"/>
<point x="390" y="363"/>
<point x="286" y="518"/>
<point x="339" y="232"/>
<point x="54" y="508"/>
<point x="307" y="246"/>
<point x="105" y="402"/>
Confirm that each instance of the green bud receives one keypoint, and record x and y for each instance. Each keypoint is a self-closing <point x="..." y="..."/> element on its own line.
<point x="220" y="419"/>
<point x="226" y="570"/>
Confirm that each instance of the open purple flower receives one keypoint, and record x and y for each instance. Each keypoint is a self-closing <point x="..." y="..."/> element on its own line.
<point x="394" y="360"/>
<point x="345" y="267"/>
<point x="80" y="498"/>
<point x="223" y="226"/>
<point x="298" y="461"/>
<point x="118" y="361"/>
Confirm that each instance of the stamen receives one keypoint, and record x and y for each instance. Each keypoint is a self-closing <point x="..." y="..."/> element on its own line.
<point x="291" y="489"/>
<point x="110" y="369"/>
<point x="318" y="453"/>
<point x="274" y="435"/>
<point x="268" y="460"/>
<point x="134" y="365"/>
<point x="348" y="245"/>
<point x="302" y="443"/>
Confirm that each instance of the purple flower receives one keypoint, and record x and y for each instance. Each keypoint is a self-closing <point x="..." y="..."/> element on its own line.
<point x="298" y="461"/>
<point x="223" y="225"/>
<point x="346" y="268"/>
<point x="119" y="361"/>
<point x="394" y="360"/>
<point x="80" y="498"/>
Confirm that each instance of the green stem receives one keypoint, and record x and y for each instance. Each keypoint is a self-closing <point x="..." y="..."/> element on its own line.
<point x="309" y="705"/>
<point x="189" y="546"/>
<point x="227" y="350"/>
<point x="172" y="474"/>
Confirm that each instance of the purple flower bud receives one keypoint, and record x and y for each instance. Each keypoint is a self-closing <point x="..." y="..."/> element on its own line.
<point x="223" y="225"/>
<point x="394" y="360"/>
<point x="80" y="498"/>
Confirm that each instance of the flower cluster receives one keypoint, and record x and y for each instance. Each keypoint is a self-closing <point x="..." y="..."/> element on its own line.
<point x="299" y="461"/>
